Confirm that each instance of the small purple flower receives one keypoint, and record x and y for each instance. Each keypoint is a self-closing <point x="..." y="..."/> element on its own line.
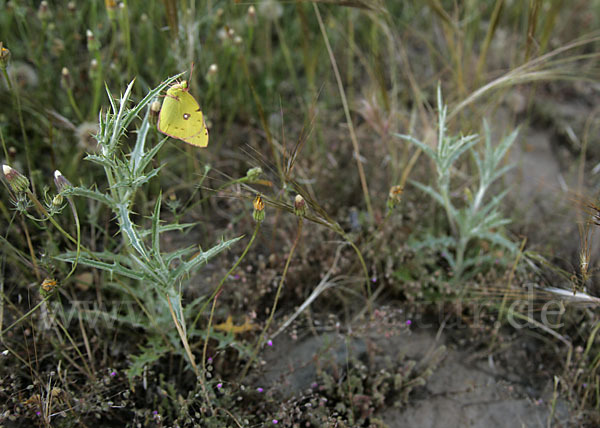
<point x="219" y="385"/>
<point x="259" y="389"/>
<point x="236" y="276"/>
<point x="374" y="279"/>
<point x="155" y="412"/>
<point x="314" y="385"/>
<point x="269" y="342"/>
<point x="408" y="323"/>
<point x="113" y="373"/>
<point x="275" y="421"/>
<point x="209" y="360"/>
<point x="585" y="385"/>
<point x="38" y="413"/>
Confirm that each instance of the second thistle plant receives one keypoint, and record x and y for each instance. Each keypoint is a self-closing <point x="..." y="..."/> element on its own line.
<point x="477" y="219"/>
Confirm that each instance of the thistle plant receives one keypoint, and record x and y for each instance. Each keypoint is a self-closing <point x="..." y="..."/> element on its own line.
<point x="480" y="218"/>
<point x="139" y="268"/>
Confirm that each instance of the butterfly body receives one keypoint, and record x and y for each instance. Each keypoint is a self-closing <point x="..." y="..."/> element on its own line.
<point x="180" y="117"/>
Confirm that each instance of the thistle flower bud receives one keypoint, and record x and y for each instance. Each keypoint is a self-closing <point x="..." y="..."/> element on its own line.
<point x="299" y="206"/>
<point x="154" y="112"/>
<point x="259" y="209"/>
<point x="44" y="13"/>
<point x="251" y="16"/>
<point x="254" y="173"/>
<point x="65" y="78"/>
<point x="211" y="74"/>
<point x="4" y="57"/>
<point x="12" y="153"/>
<point x="17" y="181"/>
<point x="61" y="182"/>
<point x="110" y="5"/>
<point x="92" y="43"/>
<point x="394" y="196"/>
<point x="48" y="286"/>
<point x="57" y="201"/>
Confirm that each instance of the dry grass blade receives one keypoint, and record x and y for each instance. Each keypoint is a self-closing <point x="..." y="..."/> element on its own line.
<point x="353" y="138"/>
<point x="373" y="5"/>
<point x="544" y="68"/>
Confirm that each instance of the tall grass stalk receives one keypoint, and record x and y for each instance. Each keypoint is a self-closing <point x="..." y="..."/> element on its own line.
<point x="338" y="78"/>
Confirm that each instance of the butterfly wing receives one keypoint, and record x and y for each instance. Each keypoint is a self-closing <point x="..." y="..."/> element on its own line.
<point x="180" y="117"/>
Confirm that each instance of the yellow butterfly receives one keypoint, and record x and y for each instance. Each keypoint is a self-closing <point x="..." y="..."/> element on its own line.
<point x="180" y="117"/>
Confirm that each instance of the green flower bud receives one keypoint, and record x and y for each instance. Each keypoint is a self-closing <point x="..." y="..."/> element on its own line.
<point x="254" y="173"/>
<point x="57" y="201"/>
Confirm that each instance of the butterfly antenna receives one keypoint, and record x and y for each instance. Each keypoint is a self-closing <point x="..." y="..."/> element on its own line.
<point x="191" y="73"/>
